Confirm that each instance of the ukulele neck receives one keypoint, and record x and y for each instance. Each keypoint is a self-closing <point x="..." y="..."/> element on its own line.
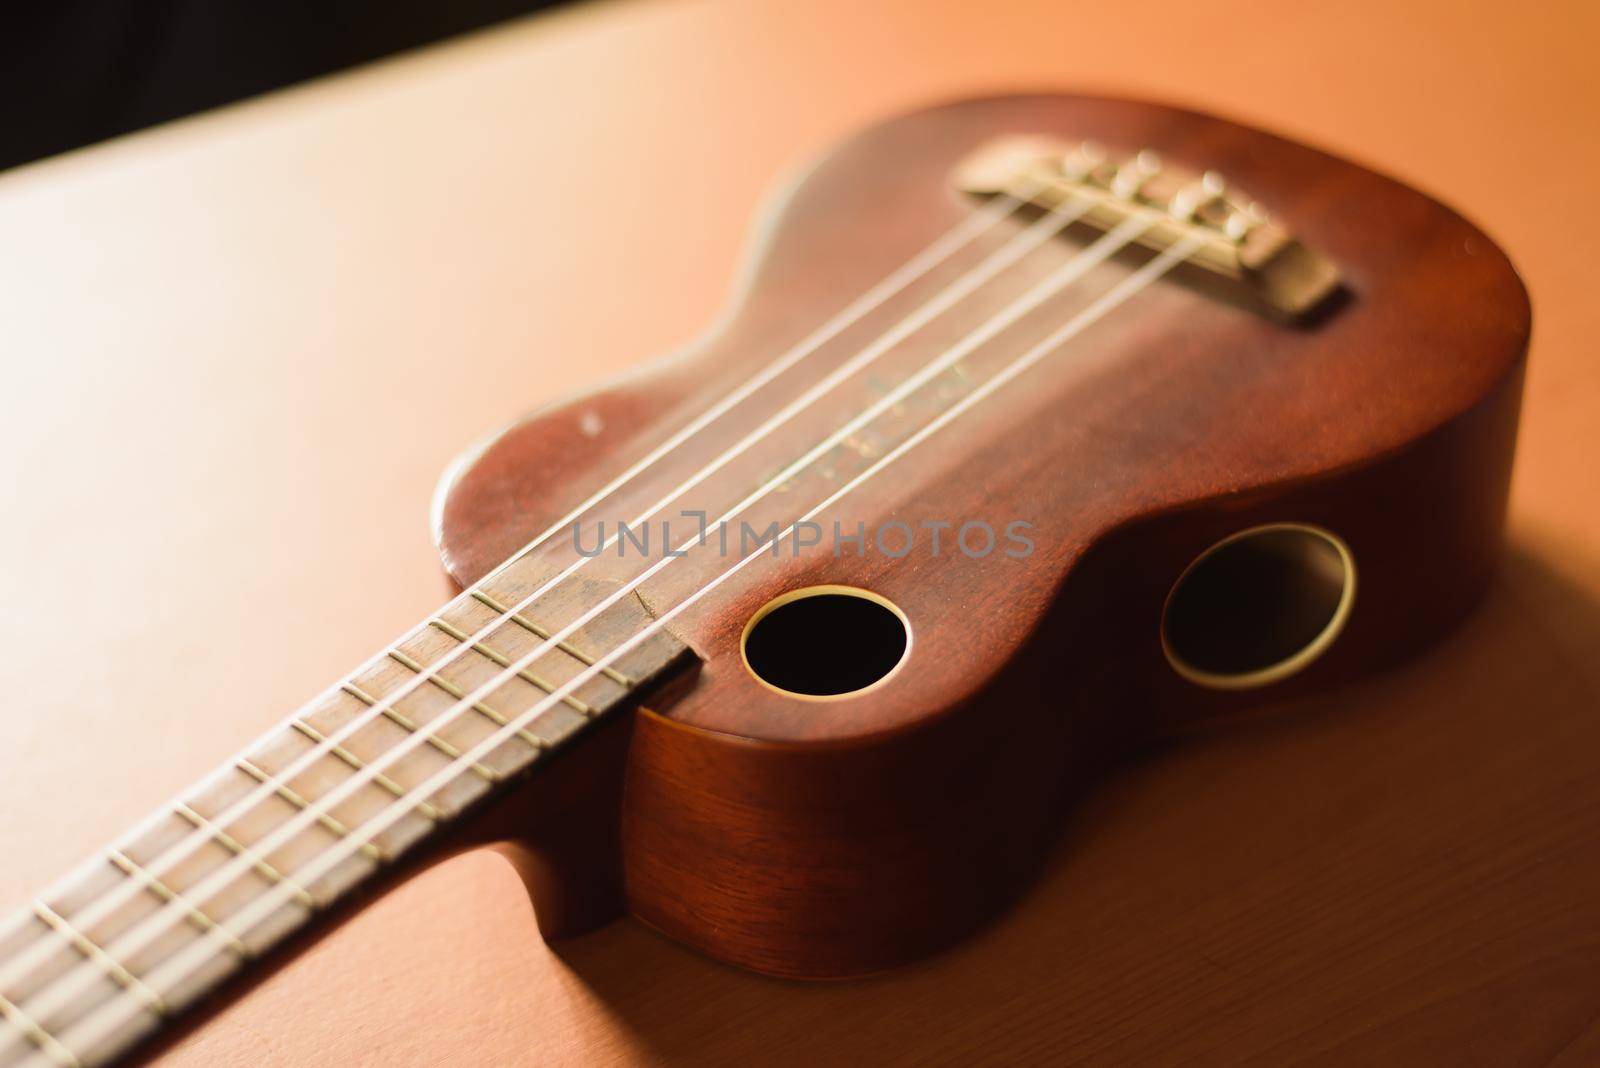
<point x="467" y="703"/>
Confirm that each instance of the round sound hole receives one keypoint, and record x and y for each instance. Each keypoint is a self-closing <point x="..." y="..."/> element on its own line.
<point x="826" y="642"/>
<point x="1258" y="606"/>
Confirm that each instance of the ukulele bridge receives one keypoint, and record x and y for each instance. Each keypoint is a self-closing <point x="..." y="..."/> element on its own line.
<point x="1238" y="239"/>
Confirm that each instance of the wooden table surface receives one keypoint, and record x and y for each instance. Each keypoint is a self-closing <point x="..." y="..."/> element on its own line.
<point x="238" y="350"/>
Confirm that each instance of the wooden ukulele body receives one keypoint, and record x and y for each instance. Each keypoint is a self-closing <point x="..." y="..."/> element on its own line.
<point x="824" y="839"/>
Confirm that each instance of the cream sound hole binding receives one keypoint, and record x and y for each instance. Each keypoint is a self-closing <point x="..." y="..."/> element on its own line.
<point x="826" y="642"/>
<point x="1259" y="606"/>
<point x="778" y="759"/>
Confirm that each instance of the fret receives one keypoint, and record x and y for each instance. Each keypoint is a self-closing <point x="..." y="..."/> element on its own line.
<point x="60" y="966"/>
<point x="553" y="668"/>
<point x="425" y="807"/>
<point x="483" y="597"/>
<point x="432" y="738"/>
<point x="466" y="727"/>
<point x="199" y="886"/>
<point x="512" y="697"/>
<point x="167" y="895"/>
<point x="109" y="964"/>
<point x="258" y="823"/>
<point x="503" y="661"/>
<point x="37" y="956"/>
<point x="103" y="902"/>
<point x="293" y="796"/>
<point x="155" y="939"/>
<point x="323" y="773"/>
<point x="457" y="671"/>
<point x="402" y="757"/>
<point x="239" y="849"/>
<point x="552" y="664"/>
<point x="458" y="692"/>
<point x="556" y="605"/>
<point x="34" y="1033"/>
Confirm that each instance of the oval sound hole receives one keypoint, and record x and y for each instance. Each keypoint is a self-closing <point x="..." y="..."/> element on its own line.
<point x="1258" y="606"/>
<point x="828" y="641"/>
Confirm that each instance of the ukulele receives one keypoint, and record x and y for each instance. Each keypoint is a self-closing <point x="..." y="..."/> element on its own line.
<point x="1042" y="427"/>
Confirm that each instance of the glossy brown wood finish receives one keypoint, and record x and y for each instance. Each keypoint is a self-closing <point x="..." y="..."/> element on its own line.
<point x="830" y="839"/>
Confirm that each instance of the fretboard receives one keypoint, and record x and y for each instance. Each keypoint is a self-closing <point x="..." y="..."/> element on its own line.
<point x="467" y="703"/>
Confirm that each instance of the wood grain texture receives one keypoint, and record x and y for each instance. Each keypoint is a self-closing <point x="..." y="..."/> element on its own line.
<point x="1416" y="850"/>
